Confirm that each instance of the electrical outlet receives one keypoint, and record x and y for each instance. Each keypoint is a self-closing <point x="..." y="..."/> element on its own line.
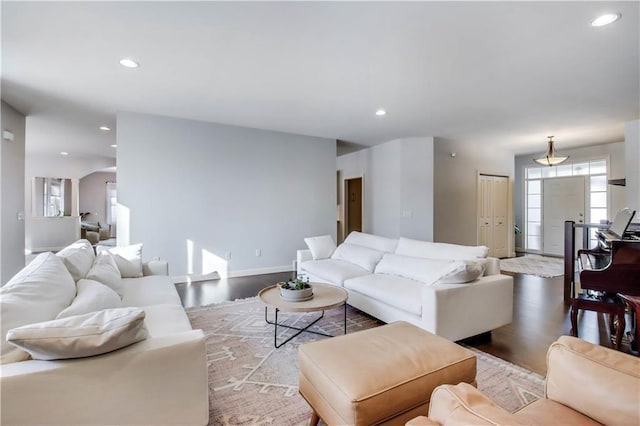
<point x="258" y="252"/>
<point x="20" y="216"/>
<point x="227" y="255"/>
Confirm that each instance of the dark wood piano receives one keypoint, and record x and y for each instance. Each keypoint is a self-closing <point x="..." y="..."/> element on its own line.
<point x="611" y="268"/>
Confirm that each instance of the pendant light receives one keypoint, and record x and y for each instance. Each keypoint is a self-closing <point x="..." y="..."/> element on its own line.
<point x="551" y="157"/>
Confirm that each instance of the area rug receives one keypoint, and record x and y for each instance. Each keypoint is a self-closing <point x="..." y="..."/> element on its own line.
<point x="541" y="266"/>
<point x="252" y="383"/>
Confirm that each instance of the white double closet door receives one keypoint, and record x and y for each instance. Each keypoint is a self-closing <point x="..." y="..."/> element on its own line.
<point x="493" y="211"/>
<point x="563" y="199"/>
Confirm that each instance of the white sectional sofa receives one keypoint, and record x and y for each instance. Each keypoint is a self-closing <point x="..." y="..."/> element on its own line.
<point x="450" y="290"/>
<point x="160" y="380"/>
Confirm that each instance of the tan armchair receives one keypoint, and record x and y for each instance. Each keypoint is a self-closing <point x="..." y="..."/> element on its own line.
<point x="586" y="384"/>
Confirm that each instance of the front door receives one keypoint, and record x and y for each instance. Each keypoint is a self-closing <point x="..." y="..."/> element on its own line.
<point x="563" y="199"/>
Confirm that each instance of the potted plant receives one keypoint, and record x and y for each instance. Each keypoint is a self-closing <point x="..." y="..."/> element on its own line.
<point x="296" y="290"/>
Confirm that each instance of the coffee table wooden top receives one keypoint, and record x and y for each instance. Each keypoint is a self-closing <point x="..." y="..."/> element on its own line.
<point x="325" y="297"/>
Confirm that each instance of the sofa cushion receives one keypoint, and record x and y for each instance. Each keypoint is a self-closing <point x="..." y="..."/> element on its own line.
<point x="106" y="271"/>
<point x="400" y="292"/>
<point x="321" y="247"/>
<point x="92" y="296"/>
<point x="164" y="320"/>
<point x="387" y="245"/>
<point x="431" y="250"/>
<point x="128" y="259"/>
<point x="150" y="290"/>
<point x="334" y="271"/>
<point x="427" y="271"/>
<point x="78" y="258"/>
<point x="37" y="293"/>
<point x="364" y="257"/>
<point x="81" y="335"/>
<point x="465" y="271"/>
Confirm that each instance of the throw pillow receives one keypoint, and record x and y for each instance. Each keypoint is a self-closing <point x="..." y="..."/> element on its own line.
<point x="465" y="271"/>
<point x="427" y="271"/>
<point x="106" y="271"/>
<point x="321" y="247"/>
<point x="364" y="257"/>
<point x="92" y="296"/>
<point x="37" y="293"/>
<point x="78" y="258"/>
<point x="81" y="335"/>
<point x="128" y="259"/>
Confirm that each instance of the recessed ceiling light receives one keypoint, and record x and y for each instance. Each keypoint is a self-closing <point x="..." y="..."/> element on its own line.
<point x="114" y="146"/>
<point x="381" y="112"/>
<point x="606" y="19"/>
<point x="129" y="63"/>
<point x="64" y="153"/>
<point x="105" y="128"/>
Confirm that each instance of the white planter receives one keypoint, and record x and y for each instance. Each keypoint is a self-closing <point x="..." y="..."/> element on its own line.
<point x="296" y="295"/>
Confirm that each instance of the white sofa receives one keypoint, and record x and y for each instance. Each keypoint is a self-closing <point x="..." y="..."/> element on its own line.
<point x="405" y="280"/>
<point x="161" y="380"/>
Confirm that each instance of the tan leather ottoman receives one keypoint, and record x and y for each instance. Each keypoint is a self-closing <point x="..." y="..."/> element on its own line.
<point x="382" y="375"/>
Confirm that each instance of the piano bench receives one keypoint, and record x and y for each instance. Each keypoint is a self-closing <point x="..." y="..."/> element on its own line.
<point x="606" y="304"/>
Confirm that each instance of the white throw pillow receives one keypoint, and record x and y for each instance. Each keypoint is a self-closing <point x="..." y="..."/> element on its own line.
<point x="81" y="335"/>
<point x="387" y="245"/>
<point x="321" y="247"/>
<point x="106" y="271"/>
<point x="427" y="271"/>
<point x="37" y="293"/>
<point x="431" y="250"/>
<point x="128" y="259"/>
<point x="78" y="258"/>
<point x="364" y="257"/>
<point x="465" y="271"/>
<point x="92" y="296"/>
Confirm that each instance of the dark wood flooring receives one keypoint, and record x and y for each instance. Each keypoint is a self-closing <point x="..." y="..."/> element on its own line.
<point x="539" y="318"/>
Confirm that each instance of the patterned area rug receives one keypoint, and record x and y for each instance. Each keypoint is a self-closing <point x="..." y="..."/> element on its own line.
<point x="251" y="383"/>
<point x="541" y="266"/>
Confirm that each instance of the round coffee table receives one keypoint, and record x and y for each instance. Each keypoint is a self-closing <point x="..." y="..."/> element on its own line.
<point x="325" y="297"/>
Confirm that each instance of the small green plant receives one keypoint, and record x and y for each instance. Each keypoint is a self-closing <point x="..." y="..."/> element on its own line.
<point x="297" y="284"/>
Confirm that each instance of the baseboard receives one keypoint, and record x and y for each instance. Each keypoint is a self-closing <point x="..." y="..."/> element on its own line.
<point x="260" y="271"/>
<point x="195" y="278"/>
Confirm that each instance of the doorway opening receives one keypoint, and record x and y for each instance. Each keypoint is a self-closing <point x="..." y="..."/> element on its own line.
<point x="353" y="205"/>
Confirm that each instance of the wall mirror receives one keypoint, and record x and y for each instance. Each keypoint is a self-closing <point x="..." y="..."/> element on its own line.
<point x="51" y="197"/>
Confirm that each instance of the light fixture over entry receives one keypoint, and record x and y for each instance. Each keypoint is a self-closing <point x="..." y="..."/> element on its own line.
<point x="551" y="157"/>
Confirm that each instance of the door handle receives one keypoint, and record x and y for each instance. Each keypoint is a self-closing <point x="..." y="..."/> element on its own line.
<point x="580" y="221"/>
<point x="581" y="215"/>
<point x="486" y="223"/>
<point x="499" y="223"/>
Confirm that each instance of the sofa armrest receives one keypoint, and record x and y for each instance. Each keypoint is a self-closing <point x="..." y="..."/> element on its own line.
<point x="302" y="256"/>
<point x="160" y="380"/>
<point x="458" y="311"/>
<point x="462" y="404"/>
<point x="155" y="267"/>
<point x="493" y="266"/>
<point x="582" y="375"/>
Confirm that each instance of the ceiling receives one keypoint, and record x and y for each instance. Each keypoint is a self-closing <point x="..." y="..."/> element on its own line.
<point x="498" y="74"/>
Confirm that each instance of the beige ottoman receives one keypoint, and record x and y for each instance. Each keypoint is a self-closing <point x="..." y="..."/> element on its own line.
<point x="382" y="375"/>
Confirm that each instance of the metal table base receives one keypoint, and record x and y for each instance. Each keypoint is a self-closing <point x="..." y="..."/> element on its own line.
<point x="300" y="330"/>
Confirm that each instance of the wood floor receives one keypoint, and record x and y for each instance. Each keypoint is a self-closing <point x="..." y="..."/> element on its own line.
<point x="540" y="315"/>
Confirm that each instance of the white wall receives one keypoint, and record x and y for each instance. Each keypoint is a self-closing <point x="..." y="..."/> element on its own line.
<point x="632" y="158"/>
<point x="12" y="227"/>
<point x="45" y="233"/>
<point x="455" y="187"/>
<point x="615" y="152"/>
<point x="194" y="191"/>
<point x="398" y="182"/>
<point x="93" y="195"/>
